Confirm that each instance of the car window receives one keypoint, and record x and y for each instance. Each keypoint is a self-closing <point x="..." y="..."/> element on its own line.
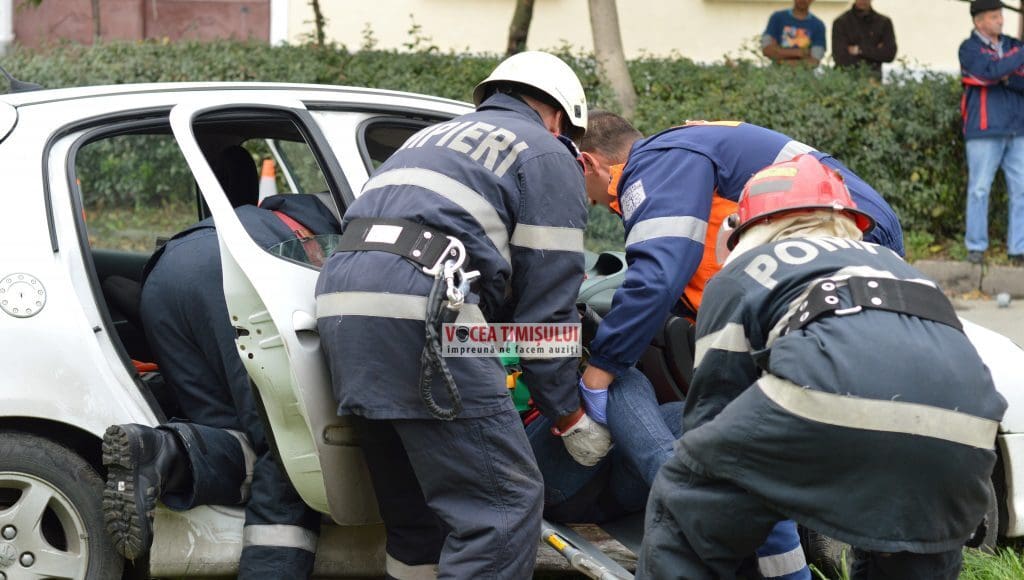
<point x="298" y="170"/>
<point x="135" y="190"/>
<point x="382" y="139"/>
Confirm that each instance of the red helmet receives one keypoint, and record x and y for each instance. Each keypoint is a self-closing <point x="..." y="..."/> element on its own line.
<point x="800" y="184"/>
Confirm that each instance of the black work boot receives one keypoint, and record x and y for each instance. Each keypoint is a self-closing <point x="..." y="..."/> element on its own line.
<point x="140" y="460"/>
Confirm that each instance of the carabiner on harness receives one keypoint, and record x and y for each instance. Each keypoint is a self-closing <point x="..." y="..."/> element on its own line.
<point x="447" y="295"/>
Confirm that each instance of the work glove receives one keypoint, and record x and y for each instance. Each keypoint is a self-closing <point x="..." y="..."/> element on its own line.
<point x="596" y="402"/>
<point x="586" y="441"/>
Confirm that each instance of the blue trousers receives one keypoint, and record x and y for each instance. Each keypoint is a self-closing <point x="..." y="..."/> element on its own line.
<point x="984" y="157"/>
<point x="698" y="528"/>
<point x="464" y="495"/>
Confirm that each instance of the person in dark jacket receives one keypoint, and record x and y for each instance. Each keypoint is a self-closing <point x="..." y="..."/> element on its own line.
<point x="457" y="484"/>
<point x="834" y="386"/>
<point x="992" y="106"/>
<point x="219" y="455"/>
<point x="863" y="37"/>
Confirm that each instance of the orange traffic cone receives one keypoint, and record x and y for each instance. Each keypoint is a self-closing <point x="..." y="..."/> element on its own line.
<point x="268" y="179"/>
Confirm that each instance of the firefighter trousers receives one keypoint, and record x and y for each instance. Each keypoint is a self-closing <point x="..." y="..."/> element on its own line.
<point x="461" y="497"/>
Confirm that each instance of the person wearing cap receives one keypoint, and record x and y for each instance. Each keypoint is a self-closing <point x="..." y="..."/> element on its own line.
<point x="456" y="481"/>
<point x="834" y="386"/>
<point x="992" y="73"/>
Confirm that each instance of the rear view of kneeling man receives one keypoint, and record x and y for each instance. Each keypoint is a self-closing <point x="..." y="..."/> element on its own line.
<point x="834" y="386"/>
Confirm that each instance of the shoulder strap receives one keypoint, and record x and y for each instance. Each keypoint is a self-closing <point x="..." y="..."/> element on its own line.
<point x="312" y="247"/>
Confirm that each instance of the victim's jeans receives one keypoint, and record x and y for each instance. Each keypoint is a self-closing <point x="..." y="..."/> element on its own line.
<point x="984" y="157"/>
<point x="644" y="433"/>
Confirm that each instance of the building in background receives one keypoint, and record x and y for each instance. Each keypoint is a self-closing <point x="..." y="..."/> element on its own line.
<point x="72" y="20"/>
<point x="928" y="32"/>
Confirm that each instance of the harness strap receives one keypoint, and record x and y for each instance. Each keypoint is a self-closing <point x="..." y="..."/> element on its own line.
<point x="431" y="250"/>
<point x="417" y="243"/>
<point x="903" y="296"/>
<point x="314" y="252"/>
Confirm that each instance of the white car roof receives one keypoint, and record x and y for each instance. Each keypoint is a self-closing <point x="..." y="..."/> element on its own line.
<point x="357" y="94"/>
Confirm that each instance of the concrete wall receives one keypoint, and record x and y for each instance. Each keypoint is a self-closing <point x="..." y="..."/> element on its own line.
<point x="928" y="32"/>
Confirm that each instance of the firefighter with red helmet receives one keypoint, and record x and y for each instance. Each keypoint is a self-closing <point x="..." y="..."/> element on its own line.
<point x="834" y="386"/>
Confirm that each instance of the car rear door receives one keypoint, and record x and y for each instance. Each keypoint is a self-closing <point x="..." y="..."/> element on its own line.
<point x="272" y="307"/>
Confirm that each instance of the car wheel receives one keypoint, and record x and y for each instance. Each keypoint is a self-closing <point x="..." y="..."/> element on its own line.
<point x="830" y="556"/>
<point x="51" y="521"/>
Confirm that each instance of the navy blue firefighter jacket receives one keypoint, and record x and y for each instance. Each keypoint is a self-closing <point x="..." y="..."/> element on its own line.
<point x="186" y="317"/>
<point x="513" y="194"/>
<point x="873" y="427"/>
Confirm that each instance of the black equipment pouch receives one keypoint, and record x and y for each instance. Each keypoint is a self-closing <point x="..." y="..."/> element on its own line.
<point x="903" y="296"/>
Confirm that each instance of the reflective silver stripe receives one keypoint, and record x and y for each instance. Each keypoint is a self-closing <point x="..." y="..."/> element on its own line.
<point x="773" y="186"/>
<point x="791" y="150"/>
<point x="385" y="305"/>
<point x="880" y="415"/>
<point x="548" y="238"/>
<point x="402" y="571"/>
<point x="668" y="227"/>
<point x="782" y="564"/>
<point x="250" y="460"/>
<point x="279" y="536"/>
<point x="732" y="337"/>
<point x="474" y="203"/>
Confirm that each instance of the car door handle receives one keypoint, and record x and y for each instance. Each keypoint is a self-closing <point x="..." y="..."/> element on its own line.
<point x="304" y="325"/>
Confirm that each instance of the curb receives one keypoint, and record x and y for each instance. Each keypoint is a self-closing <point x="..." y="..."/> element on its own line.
<point x="962" y="277"/>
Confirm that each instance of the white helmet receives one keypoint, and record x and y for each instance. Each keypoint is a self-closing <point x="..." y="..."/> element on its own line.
<point x="548" y="74"/>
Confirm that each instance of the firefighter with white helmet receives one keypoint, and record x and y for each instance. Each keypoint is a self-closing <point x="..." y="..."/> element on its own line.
<point x="456" y="481"/>
<point x="833" y="386"/>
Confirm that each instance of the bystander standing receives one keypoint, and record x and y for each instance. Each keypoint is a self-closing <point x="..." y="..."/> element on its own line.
<point x="992" y="68"/>
<point x="794" y="35"/>
<point x="863" y="37"/>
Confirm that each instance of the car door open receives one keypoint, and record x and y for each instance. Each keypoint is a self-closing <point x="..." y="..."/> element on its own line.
<point x="272" y="307"/>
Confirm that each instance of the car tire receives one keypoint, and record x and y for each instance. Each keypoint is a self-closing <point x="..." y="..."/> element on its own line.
<point x="826" y="554"/>
<point x="51" y="517"/>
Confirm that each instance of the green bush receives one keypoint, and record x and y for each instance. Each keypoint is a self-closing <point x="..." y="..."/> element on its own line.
<point x="903" y="137"/>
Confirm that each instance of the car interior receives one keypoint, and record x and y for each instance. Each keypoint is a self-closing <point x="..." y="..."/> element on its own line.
<point x="136" y="191"/>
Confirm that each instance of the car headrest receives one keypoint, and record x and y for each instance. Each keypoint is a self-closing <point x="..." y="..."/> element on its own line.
<point x="236" y="171"/>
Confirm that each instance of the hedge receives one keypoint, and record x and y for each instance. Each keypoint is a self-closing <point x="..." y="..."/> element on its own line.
<point x="902" y="136"/>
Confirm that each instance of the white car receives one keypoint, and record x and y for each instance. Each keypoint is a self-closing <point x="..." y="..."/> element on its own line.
<point x="72" y="224"/>
<point x="95" y="178"/>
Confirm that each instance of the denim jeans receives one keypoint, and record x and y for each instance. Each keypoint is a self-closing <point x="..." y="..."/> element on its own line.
<point x="644" y="433"/>
<point x="984" y="157"/>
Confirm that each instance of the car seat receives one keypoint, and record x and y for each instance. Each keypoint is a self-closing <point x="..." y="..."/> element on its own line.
<point x="237" y="173"/>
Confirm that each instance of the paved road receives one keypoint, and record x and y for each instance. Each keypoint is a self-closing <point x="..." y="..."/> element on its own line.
<point x="1008" y="321"/>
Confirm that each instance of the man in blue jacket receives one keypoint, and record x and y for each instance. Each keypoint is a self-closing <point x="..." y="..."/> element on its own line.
<point x="673" y="191"/>
<point x="992" y="106"/>
<point x="456" y="482"/>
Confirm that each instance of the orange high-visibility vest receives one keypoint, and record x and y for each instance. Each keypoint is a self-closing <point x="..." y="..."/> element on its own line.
<point x="721" y="208"/>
